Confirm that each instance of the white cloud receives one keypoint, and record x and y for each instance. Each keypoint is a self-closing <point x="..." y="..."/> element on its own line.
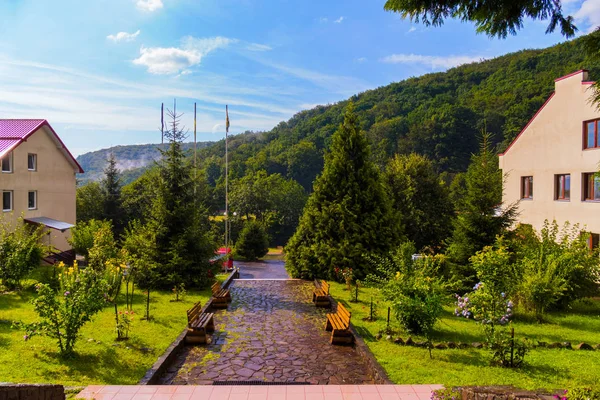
<point x="323" y="20"/>
<point x="588" y="14"/>
<point x="124" y="36"/>
<point x="434" y="61"/>
<point x="149" y="5"/>
<point x="361" y="59"/>
<point x="173" y="60"/>
<point x="258" y="47"/>
<point x="216" y="128"/>
<point x="339" y="20"/>
<point x="412" y="29"/>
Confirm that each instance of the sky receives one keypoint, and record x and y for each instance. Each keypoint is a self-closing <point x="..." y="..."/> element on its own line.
<point x="98" y="70"/>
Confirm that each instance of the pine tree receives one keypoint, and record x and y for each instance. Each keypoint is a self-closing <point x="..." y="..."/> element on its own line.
<point x="111" y="188"/>
<point x="348" y="214"/>
<point x="480" y="214"/>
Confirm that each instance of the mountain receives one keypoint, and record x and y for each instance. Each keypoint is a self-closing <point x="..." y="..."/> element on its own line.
<point x="440" y="115"/>
<point x="132" y="160"/>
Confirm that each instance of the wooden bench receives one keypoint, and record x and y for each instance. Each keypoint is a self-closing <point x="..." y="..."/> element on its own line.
<point x="339" y="325"/>
<point x="220" y="296"/>
<point x="199" y="324"/>
<point x="321" y="294"/>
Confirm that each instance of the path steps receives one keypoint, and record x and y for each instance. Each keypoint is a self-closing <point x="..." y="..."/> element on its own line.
<point x="280" y="392"/>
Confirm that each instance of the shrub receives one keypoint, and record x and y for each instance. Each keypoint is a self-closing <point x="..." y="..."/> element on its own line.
<point x="81" y="295"/>
<point x="558" y="268"/>
<point x="495" y="267"/>
<point x="412" y="287"/>
<point x="20" y="252"/>
<point x="253" y="242"/>
<point x="82" y="235"/>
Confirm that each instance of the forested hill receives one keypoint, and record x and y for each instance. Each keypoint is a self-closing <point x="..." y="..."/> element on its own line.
<point x="439" y="115"/>
<point x="132" y="160"/>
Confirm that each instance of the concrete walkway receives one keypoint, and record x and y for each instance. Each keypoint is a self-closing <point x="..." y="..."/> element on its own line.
<point x="268" y="269"/>
<point x="308" y="392"/>
<point x="272" y="332"/>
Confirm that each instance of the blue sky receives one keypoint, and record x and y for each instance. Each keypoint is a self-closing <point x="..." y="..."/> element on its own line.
<point x="98" y="70"/>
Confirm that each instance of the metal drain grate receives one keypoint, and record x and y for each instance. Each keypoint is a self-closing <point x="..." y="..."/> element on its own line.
<point x="257" y="383"/>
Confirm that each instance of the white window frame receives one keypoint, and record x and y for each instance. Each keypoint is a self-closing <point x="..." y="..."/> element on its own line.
<point x="10" y="164"/>
<point x="34" y="162"/>
<point x="12" y="201"/>
<point x="35" y="200"/>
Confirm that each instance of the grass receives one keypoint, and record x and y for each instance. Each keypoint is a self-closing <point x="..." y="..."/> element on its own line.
<point x="545" y="368"/>
<point x="275" y="253"/>
<point x="100" y="358"/>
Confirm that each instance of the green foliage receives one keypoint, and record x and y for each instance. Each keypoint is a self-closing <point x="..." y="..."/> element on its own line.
<point x="90" y="202"/>
<point x="412" y="288"/>
<point x="582" y="393"/>
<point x="495" y="267"/>
<point x="82" y="235"/>
<point x="81" y="295"/>
<point x="179" y="216"/>
<point x="20" y="251"/>
<point x="111" y="188"/>
<point x="253" y="242"/>
<point x="557" y="269"/>
<point x="480" y="217"/>
<point x="495" y="18"/>
<point x="104" y="251"/>
<point x="418" y="195"/>
<point x="347" y="215"/>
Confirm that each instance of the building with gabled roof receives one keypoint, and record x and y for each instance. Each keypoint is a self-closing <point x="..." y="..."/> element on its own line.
<point x="37" y="178"/>
<point x="551" y="165"/>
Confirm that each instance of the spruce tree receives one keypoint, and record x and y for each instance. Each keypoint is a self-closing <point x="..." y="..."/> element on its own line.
<point x="348" y="214"/>
<point x="180" y="217"/>
<point x="111" y="188"/>
<point x="481" y="216"/>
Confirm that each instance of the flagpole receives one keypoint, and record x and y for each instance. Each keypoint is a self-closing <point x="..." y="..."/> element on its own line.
<point x="226" y="180"/>
<point x="162" y="123"/>
<point x="195" y="151"/>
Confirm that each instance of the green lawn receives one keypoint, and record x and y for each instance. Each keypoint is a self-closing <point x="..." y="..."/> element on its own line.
<point x="546" y="368"/>
<point x="100" y="358"/>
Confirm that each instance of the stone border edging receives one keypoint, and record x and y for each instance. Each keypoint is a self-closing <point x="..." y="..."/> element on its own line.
<point x="479" y="345"/>
<point x="377" y="372"/>
<point x="169" y="355"/>
<point x="31" y="391"/>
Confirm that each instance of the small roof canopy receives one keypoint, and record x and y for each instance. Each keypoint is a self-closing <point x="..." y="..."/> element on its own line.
<point x="50" y="223"/>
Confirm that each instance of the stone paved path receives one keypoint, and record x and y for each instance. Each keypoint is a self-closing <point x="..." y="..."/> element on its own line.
<point x="271" y="332"/>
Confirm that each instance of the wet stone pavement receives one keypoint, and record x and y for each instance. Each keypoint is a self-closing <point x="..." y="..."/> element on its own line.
<point x="271" y="332"/>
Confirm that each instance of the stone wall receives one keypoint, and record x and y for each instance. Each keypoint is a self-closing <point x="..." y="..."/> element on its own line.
<point x="31" y="392"/>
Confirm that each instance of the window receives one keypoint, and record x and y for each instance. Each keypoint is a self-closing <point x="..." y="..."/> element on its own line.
<point x="32" y="200"/>
<point x="7" y="163"/>
<point x="590" y="135"/>
<point x="32" y="162"/>
<point x="527" y="187"/>
<point x="591" y="187"/>
<point x="563" y="187"/>
<point x="7" y="200"/>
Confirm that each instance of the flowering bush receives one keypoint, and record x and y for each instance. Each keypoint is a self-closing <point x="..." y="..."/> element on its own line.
<point x="484" y="306"/>
<point x="344" y="275"/>
<point x="81" y="294"/>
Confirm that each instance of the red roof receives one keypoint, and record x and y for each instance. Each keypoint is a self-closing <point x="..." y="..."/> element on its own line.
<point x="13" y="132"/>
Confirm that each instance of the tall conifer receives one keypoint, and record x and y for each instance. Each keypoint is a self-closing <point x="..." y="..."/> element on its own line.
<point x="348" y="214"/>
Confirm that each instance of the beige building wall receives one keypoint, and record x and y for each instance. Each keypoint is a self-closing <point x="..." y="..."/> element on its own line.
<point x="54" y="181"/>
<point x="551" y="144"/>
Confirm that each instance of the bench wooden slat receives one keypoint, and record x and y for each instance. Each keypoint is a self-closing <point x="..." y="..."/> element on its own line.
<point x="339" y="325"/>
<point x="321" y="293"/>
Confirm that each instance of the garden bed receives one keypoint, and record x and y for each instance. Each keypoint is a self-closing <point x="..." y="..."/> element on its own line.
<point x="545" y="368"/>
